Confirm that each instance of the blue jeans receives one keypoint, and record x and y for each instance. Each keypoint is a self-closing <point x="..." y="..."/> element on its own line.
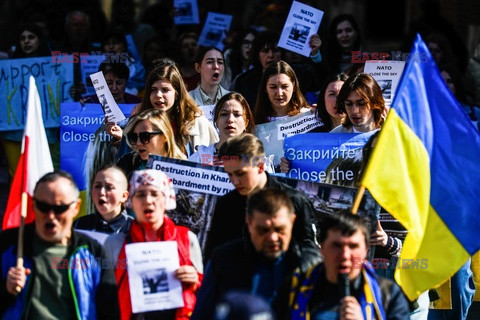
<point x="463" y="289"/>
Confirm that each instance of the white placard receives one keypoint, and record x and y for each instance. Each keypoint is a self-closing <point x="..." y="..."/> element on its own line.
<point x="387" y="73"/>
<point x="151" y="268"/>
<point x="302" y="22"/>
<point x="208" y="112"/>
<point x="273" y="133"/>
<point x="197" y="178"/>
<point x="109" y="106"/>
<point x="186" y="12"/>
<point x="215" y="30"/>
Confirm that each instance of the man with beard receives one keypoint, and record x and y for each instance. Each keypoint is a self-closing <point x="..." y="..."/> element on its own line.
<point x="64" y="275"/>
<point x="260" y="263"/>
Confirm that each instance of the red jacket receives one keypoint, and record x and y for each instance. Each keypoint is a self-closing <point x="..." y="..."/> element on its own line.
<point x="168" y="232"/>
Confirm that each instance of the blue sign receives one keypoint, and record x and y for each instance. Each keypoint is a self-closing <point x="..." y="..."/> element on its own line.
<point x="82" y="131"/>
<point x="53" y="82"/>
<point x="325" y="157"/>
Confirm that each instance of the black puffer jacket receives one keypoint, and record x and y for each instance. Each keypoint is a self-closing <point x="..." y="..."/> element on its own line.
<point x="228" y="219"/>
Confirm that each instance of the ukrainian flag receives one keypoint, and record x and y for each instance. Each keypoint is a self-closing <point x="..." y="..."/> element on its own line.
<point x="425" y="171"/>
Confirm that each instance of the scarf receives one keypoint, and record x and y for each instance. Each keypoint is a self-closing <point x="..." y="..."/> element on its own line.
<point x="302" y="290"/>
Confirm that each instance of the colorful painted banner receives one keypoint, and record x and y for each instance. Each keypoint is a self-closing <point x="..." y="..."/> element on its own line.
<point x="53" y="82"/>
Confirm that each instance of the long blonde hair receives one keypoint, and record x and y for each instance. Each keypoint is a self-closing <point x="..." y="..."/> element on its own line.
<point x="160" y="122"/>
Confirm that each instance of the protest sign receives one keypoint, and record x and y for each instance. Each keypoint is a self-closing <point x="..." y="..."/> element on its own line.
<point x="109" y="106"/>
<point x="302" y="22"/>
<point x="151" y="267"/>
<point x="195" y="205"/>
<point x="273" y="133"/>
<point x="186" y="12"/>
<point x="208" y="112"/>
<point x="81" y="130"/>
<point x="215" y="30"/>
<point x="326" y="157"/>
<point x="197" y="186"/>
<point x="90" y="65"/>
<point x="387" y="73"/>
<point x="53" y="82"/>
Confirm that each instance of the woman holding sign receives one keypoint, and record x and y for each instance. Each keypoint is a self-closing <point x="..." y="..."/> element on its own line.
<point x="148" y="133"/>
<point x="279" y="95"/>
<point x="151" y="194"/>
<point x="166" y="91"/>
<point x="361" y="99"/>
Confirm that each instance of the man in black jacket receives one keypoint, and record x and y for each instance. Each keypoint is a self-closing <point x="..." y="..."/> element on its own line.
<point x="261" y="263"/>
<point x="244" y="161"/>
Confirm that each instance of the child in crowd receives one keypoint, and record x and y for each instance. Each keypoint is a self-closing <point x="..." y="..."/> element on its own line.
<point x="109" y="194"/>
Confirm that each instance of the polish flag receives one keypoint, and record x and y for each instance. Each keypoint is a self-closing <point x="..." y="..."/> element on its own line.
<point x="34" y="162"/>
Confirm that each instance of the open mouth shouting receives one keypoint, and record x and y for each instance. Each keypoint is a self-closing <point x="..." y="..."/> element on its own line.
<point x="148" y="213"/>
<point x="50" y="227"/>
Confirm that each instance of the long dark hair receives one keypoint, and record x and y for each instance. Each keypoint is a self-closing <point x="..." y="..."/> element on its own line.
<point x="42" y="50"/>
<point x="334" y="51"/>
<point x="367" y="88"/>
<point x="263" y="108"/>
<point x="267" y="39"/>
<point x="321" y="112"/>
<point x="236" y="55"/>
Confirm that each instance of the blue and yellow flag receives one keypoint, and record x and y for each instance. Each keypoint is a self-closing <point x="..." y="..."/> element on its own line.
<point x="425" y="171"/>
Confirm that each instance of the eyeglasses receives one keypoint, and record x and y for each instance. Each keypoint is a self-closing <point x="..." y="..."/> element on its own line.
<point x="144" y="136"/>
<point x="57" y="209"/>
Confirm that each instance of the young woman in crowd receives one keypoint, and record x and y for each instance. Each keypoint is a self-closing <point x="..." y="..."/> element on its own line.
<point x="147" y="133"/>
<point x="343" y="38"/>
<point x="30" y="42"/>
<point x="279" y="95"/>
<point x="109" y="193"/>
<point x="210" y="64"/>
<point x="327" y="111"/>
<point x="361" y="100"/>
<point x="237" y="58"/>
<point x="232" y="117"/>
<point x="264" y="51"/>
<point x="165" y="90"/>
<point x="151" y="194"/>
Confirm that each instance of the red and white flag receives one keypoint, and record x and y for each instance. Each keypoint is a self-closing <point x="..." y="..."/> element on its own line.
<point x="34" y="162"/>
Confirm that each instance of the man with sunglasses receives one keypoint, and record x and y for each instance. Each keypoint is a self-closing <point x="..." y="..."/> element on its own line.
<point x="64" y="273"/>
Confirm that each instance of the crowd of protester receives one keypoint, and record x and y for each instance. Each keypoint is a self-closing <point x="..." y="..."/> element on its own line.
<point x="263" y="256"/>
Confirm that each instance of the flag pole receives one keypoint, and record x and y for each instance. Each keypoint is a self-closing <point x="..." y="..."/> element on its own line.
<point x="23" y="215"/>
<point x="357" y="200"/>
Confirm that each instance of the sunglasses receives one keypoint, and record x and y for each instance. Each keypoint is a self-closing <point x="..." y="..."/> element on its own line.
<point x="144" y="136"/>
<point x="57" y="209"/>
